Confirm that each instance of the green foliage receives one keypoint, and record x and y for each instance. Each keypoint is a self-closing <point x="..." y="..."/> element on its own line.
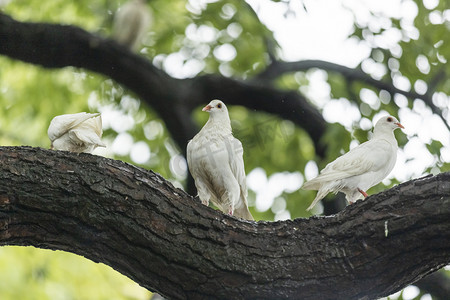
<point x="28" y="104"/>
<point x="31" y="96"/>
<point x="79" y="13"/>
<point x="30" y="274"/>
<point x="435" y="147"/>
<point x="337" y="139"/>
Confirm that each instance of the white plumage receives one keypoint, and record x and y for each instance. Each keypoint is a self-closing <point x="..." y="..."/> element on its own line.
<point x="79" y="132"/>
<point x="131" y="22"/>
<point x="215" y="160"/>
<point x="362" y="167"/>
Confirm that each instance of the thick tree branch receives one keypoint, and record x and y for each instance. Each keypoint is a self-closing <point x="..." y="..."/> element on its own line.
<point x="139" y="224"/>
<point x="57" y="46"/>
<point x="278" y="68"/>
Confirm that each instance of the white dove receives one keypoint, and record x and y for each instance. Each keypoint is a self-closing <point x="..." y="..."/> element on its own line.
<point x="79" y="132"/>
<point x="131" y="22"/>
<point x="362" y="167"/>
<point x="215" y="160"/>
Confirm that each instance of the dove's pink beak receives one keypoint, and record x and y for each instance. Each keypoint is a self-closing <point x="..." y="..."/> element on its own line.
<point x="399" y="125"/>
<point x="207" y="108"/>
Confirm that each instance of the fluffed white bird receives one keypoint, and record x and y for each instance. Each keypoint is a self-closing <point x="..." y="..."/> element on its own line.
<point x="131" y="22"/>
<point x="362" y="167"/>
<point x="215" y="160"/>
<point x="79" y="132"/>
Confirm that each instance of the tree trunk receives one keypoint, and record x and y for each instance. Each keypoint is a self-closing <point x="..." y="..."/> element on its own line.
<point x="136" y="222"/>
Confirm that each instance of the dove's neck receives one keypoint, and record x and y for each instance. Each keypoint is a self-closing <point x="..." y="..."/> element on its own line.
<point x="384" y="133"/>
<point x="220" y="122"/>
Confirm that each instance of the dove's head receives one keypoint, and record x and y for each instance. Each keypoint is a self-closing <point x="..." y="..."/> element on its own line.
<point x="387" y="123"/>
<point x="218" y="113"/>
<point x="216" y="107"/>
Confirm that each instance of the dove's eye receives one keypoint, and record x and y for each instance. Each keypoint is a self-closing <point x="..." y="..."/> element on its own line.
<point x="219" y="105"/>
<point x="389" y="119"/>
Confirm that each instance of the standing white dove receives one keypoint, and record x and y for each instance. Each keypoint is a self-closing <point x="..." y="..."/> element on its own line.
<point x="215" y="160"/>
<point x="79" y="132"/>
<point x="362" y="167"/>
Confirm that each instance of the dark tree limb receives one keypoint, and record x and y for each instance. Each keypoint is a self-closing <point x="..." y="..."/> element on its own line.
<point x="57" y="46"/>
<point x="278" y="68"/>
<point x="136" y="222"/>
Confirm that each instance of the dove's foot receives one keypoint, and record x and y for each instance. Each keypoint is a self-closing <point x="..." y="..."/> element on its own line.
<point x="363" y="193"/>
<point x="204" y="202"/>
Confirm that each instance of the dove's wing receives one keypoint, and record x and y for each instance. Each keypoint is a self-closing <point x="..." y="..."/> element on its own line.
<point x="86" y="136"/>
<point x="197" y="159"/>
<point x="96" y="125"/>
<point x="62" y="124"/>
<point x="189" y="153"/>
<point x="193" y="155"/>
<point x="236" y="161"/>
<point x="367" y="157"/>
<point x="191" y="159"/>
<point x="93" y="125"/>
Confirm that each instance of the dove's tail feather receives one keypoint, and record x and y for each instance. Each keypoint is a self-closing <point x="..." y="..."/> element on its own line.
<point x="73" y="120"/>
<point x="63" y="123"/>
<point x="316" y="184"/>
<point x="320" y="195"/>
<point x="311" y="185"/>
<point x="243" y="213"/>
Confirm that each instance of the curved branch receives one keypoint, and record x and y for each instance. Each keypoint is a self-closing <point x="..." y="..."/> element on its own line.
<point x="279" y="68"/>
<point x="136" y="222"/>
<point x="56" y="46"/>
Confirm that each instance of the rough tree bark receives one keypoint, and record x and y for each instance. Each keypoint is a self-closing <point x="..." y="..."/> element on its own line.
<point x="136" y="222"/>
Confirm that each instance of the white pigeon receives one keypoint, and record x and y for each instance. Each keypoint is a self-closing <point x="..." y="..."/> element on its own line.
<point x="131" y="22"/>
<point x="362" y="167"/>
<point x="79" y="132"/>
<point x="215" y="160"/>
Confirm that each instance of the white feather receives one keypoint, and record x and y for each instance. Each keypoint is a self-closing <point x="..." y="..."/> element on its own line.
<point x="79" y="132"/>
<point x="362" y="167"/>
<point x="215" y="160"/>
